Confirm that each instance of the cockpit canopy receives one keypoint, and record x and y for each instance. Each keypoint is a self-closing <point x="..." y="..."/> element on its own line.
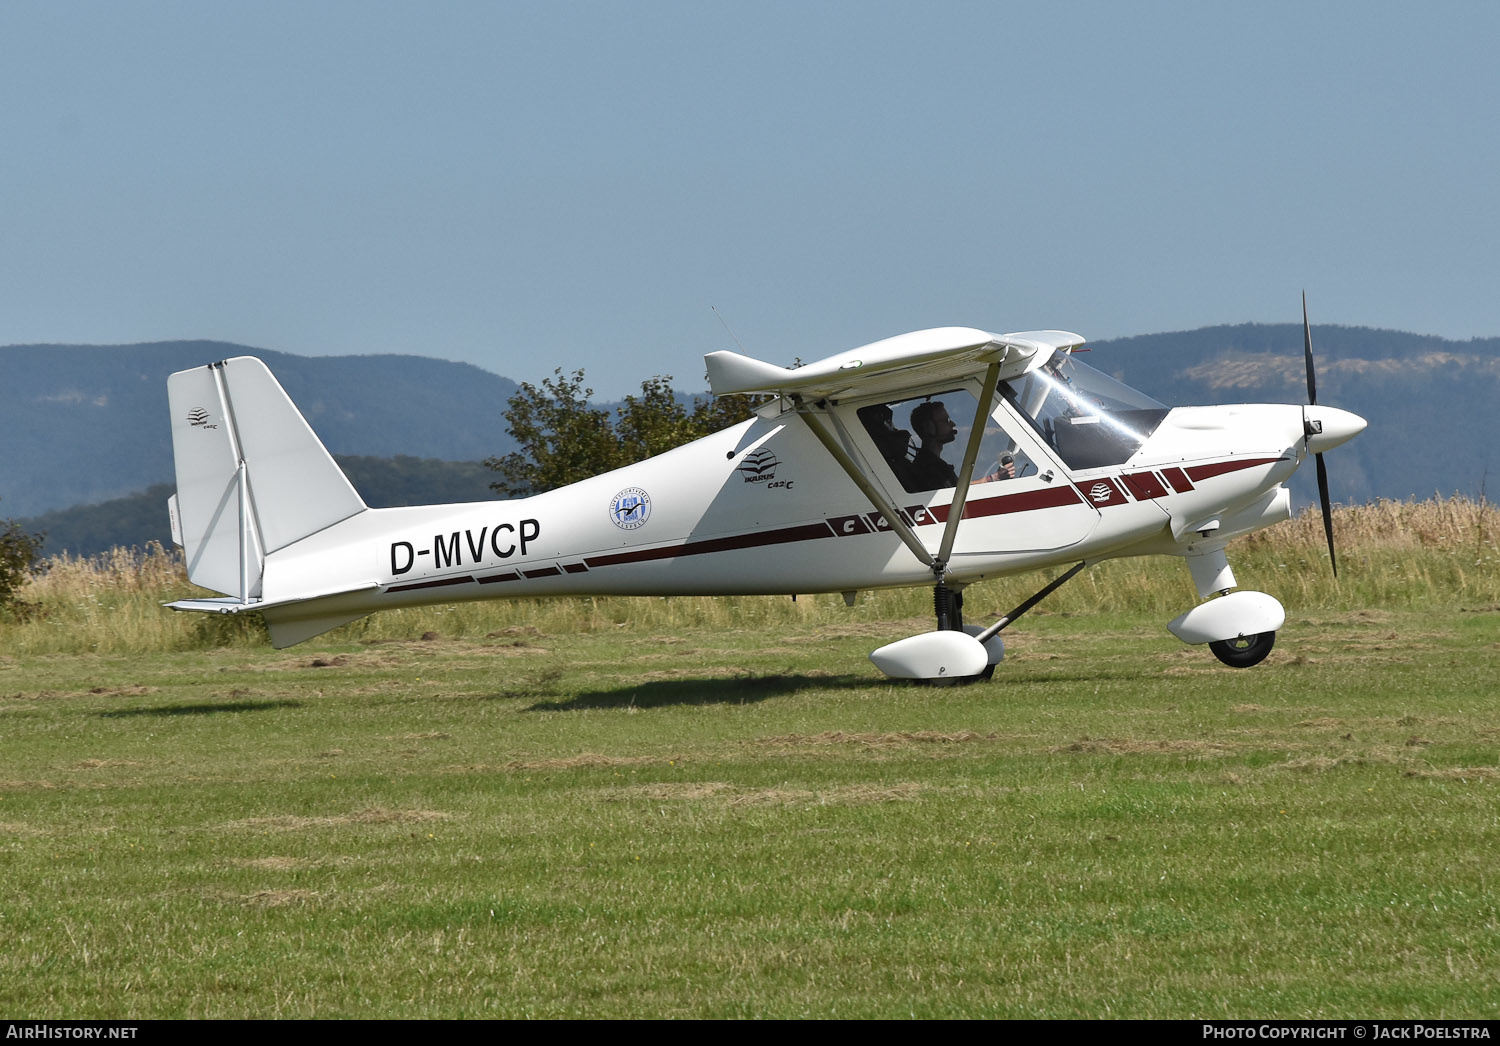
<point x="1089" y="418"/>
<point x="1086" y="419"/>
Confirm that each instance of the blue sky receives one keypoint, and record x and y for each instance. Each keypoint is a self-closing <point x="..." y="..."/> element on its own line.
<point x="526" y="186"/>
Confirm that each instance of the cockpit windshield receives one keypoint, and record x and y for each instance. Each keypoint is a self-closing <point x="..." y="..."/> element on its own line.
<point x="1089" y="418"/>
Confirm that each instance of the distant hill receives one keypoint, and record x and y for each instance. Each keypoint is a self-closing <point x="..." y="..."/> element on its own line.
<point x="81" y="424"/>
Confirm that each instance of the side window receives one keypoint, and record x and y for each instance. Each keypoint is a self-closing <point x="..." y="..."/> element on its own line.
<point x="923" y="440"/>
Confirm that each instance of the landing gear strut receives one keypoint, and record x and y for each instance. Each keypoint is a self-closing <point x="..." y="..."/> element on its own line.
<point x="1239" y="627"/>
<point x="948" y="606"/>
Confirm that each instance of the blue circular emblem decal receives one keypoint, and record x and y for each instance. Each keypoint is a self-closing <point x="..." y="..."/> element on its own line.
<point x="630" y="508"/>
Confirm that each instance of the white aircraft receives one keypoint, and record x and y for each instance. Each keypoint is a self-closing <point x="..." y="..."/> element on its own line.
<point x="837" y="483"/>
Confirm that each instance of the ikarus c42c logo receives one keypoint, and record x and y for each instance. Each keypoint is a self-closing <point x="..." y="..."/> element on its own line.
<point x="758" y="467"/>
<point x="630" y="508"/>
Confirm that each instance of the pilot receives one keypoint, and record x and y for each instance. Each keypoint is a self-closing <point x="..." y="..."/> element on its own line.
<point x="933" y="426"/>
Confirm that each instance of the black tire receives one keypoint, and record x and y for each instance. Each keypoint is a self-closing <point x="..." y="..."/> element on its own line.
<point x="1244" y="651"/>
<point x="982" y="677"/>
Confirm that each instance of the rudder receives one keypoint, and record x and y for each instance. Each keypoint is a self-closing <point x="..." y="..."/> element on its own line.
<point x="252" y="476"/>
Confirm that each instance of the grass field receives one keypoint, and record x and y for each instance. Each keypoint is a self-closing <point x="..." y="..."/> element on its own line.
<point x="681" y="814"/>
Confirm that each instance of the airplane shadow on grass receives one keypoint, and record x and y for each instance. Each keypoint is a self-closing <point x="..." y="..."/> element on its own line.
<point x="752" y="689"/>
<point x="742" y="690"/>
<point x="201" y="709"/>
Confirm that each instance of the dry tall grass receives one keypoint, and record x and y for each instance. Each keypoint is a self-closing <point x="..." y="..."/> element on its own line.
<point x="1455" y="525"/>
<point x="1440" y="552"/>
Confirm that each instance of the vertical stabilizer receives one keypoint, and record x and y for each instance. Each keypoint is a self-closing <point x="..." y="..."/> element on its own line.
<point x="252" y="476"/>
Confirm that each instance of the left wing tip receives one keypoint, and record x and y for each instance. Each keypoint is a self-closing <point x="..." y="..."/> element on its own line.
<point x="730" y="372"/>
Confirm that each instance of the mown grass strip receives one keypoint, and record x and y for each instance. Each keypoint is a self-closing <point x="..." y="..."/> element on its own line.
<point x="701" y="822"/>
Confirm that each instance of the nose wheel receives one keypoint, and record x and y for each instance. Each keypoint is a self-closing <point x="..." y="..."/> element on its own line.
<point x="1244" y="651"/>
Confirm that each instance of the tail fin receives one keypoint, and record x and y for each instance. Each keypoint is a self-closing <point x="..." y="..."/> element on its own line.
<point x="252" y="476"/>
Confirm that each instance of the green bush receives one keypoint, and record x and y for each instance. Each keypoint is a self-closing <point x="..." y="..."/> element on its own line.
<point x="18" y="559"/>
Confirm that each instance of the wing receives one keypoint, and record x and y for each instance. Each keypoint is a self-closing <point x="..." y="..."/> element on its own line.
<point x="892" y="365"/>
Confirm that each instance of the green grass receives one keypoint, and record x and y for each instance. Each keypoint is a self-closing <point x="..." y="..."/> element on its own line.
<point x="712" y="820"/>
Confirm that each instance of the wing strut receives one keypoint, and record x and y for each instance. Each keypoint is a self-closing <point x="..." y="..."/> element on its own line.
<point x="860" y="476"/>
<point x="1051" y="587"/>
<point x="966" y="472"/>
<point x="819" y="419"/>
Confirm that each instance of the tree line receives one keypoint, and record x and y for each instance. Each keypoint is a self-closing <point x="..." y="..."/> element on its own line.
<point x="19" y="552"/>
<point x="562" y="439"/>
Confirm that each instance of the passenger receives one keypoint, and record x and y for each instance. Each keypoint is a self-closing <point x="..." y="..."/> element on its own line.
<point x="894" y="444"/>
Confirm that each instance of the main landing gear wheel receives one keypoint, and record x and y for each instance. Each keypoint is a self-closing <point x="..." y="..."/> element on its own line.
<point x="949" y="606"/>
<point x="987" y="674"/>
<point x="1244" y="651"/>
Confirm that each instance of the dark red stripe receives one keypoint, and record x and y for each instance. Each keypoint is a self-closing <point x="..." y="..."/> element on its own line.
<point x="846" y="526"/>
<point x="881" y="525"/>
<point x="444" y="583"/>
<point x="542" y="572"/>
<point x="1178" y="479"/>
<point x="1048" y="497"/>
<point x="575" y="568"/>
<point x="494" y="578"/>
<point x="1201" y="472"/>
<point x="1102" y="493"/>
<point x="807" y="532"/>
<point x="1144" y="485"/>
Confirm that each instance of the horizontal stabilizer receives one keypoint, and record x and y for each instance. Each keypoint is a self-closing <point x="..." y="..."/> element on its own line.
<point x="290" y="621"/>
<point x="231" y="605"/>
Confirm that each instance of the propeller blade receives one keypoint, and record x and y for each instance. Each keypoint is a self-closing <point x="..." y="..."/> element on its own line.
<point x="1327" y="512"/>
<point x="1312" y="381"/>
<point x="1312" y="399"/>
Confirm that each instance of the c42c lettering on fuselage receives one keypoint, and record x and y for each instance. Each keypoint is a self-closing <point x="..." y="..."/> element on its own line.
<point x="464" y="548"/>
